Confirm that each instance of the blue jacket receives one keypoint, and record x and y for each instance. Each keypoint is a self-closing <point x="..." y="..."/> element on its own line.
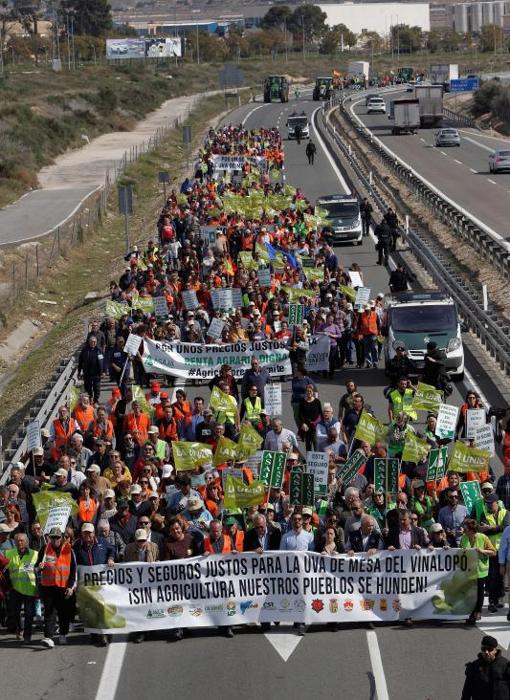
<point x="99" y="553"/>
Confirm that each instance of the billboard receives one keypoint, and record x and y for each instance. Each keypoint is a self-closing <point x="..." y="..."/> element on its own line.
<point x="168" y="47"/>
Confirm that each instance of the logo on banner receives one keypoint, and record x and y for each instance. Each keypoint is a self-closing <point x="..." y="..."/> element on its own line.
<point x="348" y="605"/>
<point x="284" y="605"/>
<point x="317" y="605"/>
<point x="214" y="608"/>
<point x="299" y="605"/>
<point x="155" y="614"/>
<point x="333" y="605"/>
<point x="175" y="611"/>
<point x="246" y="605"/>
<point x="231" y="608"/>
<point x="268" y="606"/>
<point x="196" y="612"/>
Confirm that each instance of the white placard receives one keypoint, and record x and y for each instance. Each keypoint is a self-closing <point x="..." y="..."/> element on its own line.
<point x="355" y="278"/>
<point x="57" y="517"/>
<point x="362" y="297"/>
<point x="160" y="307"/>
<point x="33" y="435"/>
<point x="132" y="344"/>
<point x="317" y="464"/>
<point x="189" y="297"/>
<point x="484" y="439"/>
<point x="264" y="275"/>
<point x="226" y="298"/>
<point x="447" y="417"/>
<point x="216" y="328"/>
<point x="273" y="399"/>
<point x="475" y="418"/>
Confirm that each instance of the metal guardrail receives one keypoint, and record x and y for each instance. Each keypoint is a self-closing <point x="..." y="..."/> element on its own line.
<point x="460" y="119"/>
<point x="496" y="252"/>
<point x="492" y="331"/>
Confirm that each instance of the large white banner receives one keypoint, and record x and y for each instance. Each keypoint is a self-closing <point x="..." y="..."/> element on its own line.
<point x="194" y="361"/>
<point x="225" y="162"/>
<point x="278" y="586"/>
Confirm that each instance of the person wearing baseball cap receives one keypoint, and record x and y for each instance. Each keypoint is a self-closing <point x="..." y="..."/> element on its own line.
<point x="487" y="677"/>
<point x="91" y="550"/>
<point x="56" y="564"/>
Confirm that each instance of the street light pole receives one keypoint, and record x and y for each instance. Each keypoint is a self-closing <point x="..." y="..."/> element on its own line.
<point x="198" y="47"/>
<point x="68" y="42"/>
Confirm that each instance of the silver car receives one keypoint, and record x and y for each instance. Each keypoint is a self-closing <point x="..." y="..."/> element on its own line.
<point x="499" y="160"/>
<point x="447" y="137"/>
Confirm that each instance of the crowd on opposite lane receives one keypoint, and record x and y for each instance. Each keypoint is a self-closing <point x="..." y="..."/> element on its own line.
<point x="116" y="460"/>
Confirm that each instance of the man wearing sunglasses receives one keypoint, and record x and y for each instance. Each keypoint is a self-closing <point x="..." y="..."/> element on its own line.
<point x="453" y="515"/>
<point x="488" y="676"/>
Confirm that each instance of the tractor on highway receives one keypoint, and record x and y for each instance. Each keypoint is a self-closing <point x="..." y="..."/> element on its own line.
<point x="323" y="88"/>
<point x="276" y="87"/>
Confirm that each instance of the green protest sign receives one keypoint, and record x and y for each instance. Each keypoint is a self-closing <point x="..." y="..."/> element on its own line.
<point x="47" y="501"/>
<point x="436" y="466"/>
<point x="352" y="466"/>
<point x="237" y="494"/>
<point x="249" y="441"/>
<point x="226" y="451"/>
<point x="427" y="398"/>
<point x="386" y="473"/>
<point x="301" y="488"/>
<point x="272" y="468"/>
<point x="116" y="309"/>
<point x="296" y="312"/>
<point x="189" y="455"/>
<point x="314" y="274"/>
<point x="468" y="459"/>
<point x="415" y="448"/>
<point x="369" y="429"/>
<point x="471" y="493"/>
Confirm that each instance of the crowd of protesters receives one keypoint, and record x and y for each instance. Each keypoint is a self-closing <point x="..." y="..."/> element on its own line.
<point x="111" y="449"/>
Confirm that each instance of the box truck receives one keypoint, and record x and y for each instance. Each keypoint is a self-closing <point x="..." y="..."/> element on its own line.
<point x="359" y="68"/>
<point x="430" y="98"/>
<point x="405" y="114"/>
<point x="442" y="73"/>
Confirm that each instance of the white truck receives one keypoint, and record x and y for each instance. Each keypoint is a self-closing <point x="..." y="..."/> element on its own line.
<point x="405" y="114"/>
<point x="430" y="98"/>
<point x="300" y="120"/>
<point x="359" y="68"/>
<point x="442" y="73"/>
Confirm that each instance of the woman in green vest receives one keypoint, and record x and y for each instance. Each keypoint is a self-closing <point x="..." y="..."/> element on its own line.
<point x="23" y="593"/>
<point x="397" y="434"/>
<point x="472" y="539"/>
<point x="251" y="408"/>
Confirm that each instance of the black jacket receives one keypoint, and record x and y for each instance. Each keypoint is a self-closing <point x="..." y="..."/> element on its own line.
<point x="251" y="540"/>
<point x="487" y="681"/>
<point x="90" y="361"/>
<point x="356" y="541"/>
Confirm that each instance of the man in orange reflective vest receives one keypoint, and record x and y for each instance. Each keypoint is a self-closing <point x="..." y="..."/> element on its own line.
<point x="137" y="424"/>
<point x="61" y="432"/>
<point x="57" y="566"/>
<point x="218" y="543"/>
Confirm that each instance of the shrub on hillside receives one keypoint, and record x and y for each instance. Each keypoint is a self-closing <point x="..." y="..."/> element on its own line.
<point x="483" y="98"/>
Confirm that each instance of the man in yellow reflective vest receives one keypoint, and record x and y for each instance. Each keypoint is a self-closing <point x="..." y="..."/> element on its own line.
<point x="401" y="399"/>
<point x="23" y="592"/>
<point x="493" y="520"/>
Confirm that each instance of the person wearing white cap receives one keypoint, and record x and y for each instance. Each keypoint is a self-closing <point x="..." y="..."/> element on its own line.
<point x="137" y="504"/>
<point x="196" y="514"/>
<point x="141" y="549"/>
<point x="161" y="447"/>
<point x="91" y="550"/>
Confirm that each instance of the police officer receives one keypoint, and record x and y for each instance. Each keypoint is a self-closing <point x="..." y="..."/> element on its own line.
<point x="297" y="133"/>
<point x="310" y="151"/>
<point x="383" y="235"/>
<point x="391" y="219"/>
<point x="400" y="366"/>
<point x="90" y="366"/>
<point x="366" y="215"/>
<point x="488" y="676"/>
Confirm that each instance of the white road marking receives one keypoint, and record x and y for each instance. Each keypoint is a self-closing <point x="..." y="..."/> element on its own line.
<point x="458" y="161"/>
<point x="284" y="643"/>
<point x="251" y="112"/>
<point x="480" y="145"/>
<point x="473" y="170"/>
<point x="328" y="154"/>
<point x="442" y="153"/>
<point x="422" y="140"/>
<point x="491" y="181"/>
<point x="377" y="666"/>
<point x="464" y="211"/>
<point x="111" y="671"/>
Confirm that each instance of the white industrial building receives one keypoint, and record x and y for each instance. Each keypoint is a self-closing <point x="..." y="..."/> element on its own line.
<point x="470" y="17"/>
<point x="378" y="16"/>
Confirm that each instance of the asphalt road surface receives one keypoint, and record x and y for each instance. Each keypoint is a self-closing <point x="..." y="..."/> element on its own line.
<point x="359" y="662"/>
<point x="462" y="174"/>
